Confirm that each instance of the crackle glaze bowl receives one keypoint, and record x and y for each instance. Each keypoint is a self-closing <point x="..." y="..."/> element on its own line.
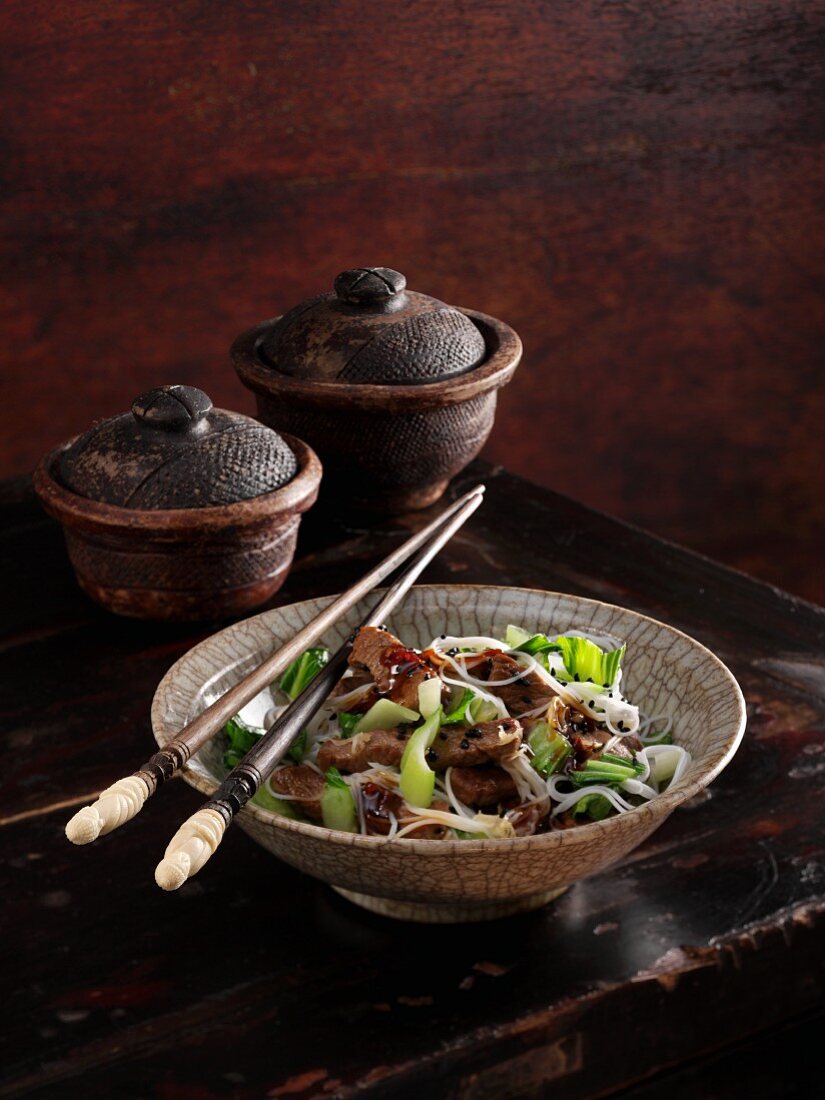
<point x="441" y="881"/>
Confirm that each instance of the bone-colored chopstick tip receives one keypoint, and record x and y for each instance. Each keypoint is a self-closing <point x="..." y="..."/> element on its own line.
<point x="116" y="805"/>
<point x="190" y="847"/>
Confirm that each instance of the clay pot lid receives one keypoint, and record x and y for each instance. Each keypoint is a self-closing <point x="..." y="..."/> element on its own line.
<point x="371" y="329"/>
<point x="174" y="450"/>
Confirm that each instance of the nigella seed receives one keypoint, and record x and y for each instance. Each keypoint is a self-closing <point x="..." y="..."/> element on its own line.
<point x="620" y="726"/>
<point x="432" y="756"/>
<point x="464" y="743"/>
<point x="475" y="734"/>
<point x="452" y="652"/>
<point x="443" y="735"/>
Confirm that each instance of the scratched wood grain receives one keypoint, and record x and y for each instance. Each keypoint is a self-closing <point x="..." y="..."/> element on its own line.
<point x="633" y="186"/>
<point x="713" y="926"/>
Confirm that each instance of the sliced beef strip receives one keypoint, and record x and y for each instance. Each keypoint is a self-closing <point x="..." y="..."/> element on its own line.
<point x="360" y="678"/>
<point x="587" y="739"/>
<point x="460" y="746"/>
<point x="526" y="693"/>
<point x="354" y="754"/>
<point x="396" y="670"/>
<point x="302" y="783"/>
<point x="454" y="745"/>
<point x="482" y="786"/>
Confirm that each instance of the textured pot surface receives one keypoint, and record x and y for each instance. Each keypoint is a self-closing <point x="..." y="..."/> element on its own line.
<point x="182" y="563"/>
<point x="372" y="329"/>
<point x="174" y="450"/>
<point x="386" y="447"/>
<point x="666" y="673"/>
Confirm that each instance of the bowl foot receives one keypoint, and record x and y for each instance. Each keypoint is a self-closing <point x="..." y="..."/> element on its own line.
<point x="450" y="912"/>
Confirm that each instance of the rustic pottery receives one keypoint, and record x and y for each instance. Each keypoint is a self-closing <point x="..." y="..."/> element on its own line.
<point x="395" y="390"/>
<point x="458" y="880"/>
<point x="178" y="510"/>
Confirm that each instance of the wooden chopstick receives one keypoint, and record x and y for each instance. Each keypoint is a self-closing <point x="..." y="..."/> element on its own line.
<point x="196" y="840"/>
<point x="125" y="798"/>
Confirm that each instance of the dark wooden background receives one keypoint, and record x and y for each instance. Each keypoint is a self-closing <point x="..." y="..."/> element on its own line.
<point x="632" y="185"/>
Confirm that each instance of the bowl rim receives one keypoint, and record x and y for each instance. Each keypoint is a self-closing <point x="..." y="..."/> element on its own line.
<point x="495" y="371"/>
<point x="298" y="495"/>
<point x="654" y="811"/>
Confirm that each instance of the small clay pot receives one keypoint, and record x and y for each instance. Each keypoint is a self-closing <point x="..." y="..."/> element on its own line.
<point x="394" y="389"/>
<point x="129" y="495"/>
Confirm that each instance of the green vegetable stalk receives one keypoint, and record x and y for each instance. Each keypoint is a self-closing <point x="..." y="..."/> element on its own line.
<point x="550" y="749"/>
<point x="241" y="739"/>
<point x="385" y="715"/>
<point x="302" y="670"/>
<point x="348" y="722"/>
<point x="243" y="736"/>
<point x="609" y="770"/>
<point x="271" y="802"/>
<point x="514" y="636"/>
<point x="595" y="806"/>
<point x="459" y="711"/>
<point x="584" y="660"/>
<point x="337" y="804"/>
<point x="417" y="777"/>
<point x="470" y="708"/>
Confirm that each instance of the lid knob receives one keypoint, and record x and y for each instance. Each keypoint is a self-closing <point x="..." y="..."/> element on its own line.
<point x="365" y="286"/>
<point x="171" y="408"/>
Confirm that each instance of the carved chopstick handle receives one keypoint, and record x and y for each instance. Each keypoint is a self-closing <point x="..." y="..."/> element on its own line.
<point x="190" y="848"/>
<point x="117" y="804"/>
<point x="196" y="840"/>
<point x="126" y="798"/>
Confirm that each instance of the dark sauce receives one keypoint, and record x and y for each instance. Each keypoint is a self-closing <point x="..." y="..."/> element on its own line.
<point x="378" y="804"/>
<point x="403" y="660"/>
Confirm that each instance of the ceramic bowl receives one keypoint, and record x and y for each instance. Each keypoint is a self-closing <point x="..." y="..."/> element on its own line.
<point x="666" y="672"/>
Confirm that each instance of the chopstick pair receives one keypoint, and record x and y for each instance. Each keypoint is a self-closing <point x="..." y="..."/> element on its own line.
<point x="196" y="840"/>
<point x="200" y="835"/>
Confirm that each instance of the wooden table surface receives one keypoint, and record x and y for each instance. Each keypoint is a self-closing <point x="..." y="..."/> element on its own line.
<point x="691" y="970"/>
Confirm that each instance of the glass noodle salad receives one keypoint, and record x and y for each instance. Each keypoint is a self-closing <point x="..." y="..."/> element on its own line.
<point x="470" y="738"/>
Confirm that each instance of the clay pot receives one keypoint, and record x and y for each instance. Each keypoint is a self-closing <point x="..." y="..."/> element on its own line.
<point x="394" y="389"/>
<point x="179" y="510"/>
